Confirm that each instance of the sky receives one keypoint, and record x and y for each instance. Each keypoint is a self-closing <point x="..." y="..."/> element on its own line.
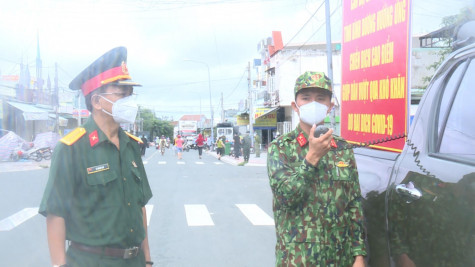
<point x="159" y="36"/>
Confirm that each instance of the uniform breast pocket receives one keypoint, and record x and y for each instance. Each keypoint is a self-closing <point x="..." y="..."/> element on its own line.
<point x="138" y="183"/>
<point x="341" y="174"/>
<point x="101" y="178"/>
<point x="103" y="189"/>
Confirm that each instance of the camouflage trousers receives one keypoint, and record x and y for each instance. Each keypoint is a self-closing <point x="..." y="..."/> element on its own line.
<point x="311" y="254"/>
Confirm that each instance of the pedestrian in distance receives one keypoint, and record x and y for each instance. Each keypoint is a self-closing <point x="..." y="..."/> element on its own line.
<point x="257" y="145"/>
<point x="163" y="144"/>
<point x="220" y="147"/>
<point x="237" y="145"/>
<point x="200" y="142"/>
<point x="97" y="187"/>
<point x="316" y="193"/>
<point x="246" y="146"/>
<point x="144" y="144"/>
<point x="179" y="146"/>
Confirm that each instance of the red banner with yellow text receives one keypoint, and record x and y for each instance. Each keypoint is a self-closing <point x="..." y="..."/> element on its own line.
<point x="375" y="63"/>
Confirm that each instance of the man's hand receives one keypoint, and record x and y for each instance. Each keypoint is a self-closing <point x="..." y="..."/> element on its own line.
<point x="359" y="261"/>
<point x="318" y="147"/>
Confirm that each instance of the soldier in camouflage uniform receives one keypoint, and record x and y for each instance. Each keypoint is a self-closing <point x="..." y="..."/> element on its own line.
<point x="317" y="198"/>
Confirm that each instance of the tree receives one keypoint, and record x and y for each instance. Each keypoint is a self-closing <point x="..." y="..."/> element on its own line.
<point x="451" y="22"/>
<point x="154" y="125"/>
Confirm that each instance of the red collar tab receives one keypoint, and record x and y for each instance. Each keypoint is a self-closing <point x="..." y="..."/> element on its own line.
<point x="333" y="143"/>
<point x="93" y="138"/>
<point x="301" y="139"/>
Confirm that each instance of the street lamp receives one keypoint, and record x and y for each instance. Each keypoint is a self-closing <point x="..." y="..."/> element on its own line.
<point x="209" y="85"/>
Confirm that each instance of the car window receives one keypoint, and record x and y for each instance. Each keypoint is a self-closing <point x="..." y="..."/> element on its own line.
<point x="459" y="131"/>
<point x="448" y="95"/>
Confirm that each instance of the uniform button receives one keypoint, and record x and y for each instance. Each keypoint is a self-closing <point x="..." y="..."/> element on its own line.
<point x="128" y="203"/>
<point x="125" y="179"/>
<point x="131" y="230"/>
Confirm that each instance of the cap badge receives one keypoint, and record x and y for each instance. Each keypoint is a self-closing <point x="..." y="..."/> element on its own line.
<point x="317" y="76"/>
<point x="124" y="68"/>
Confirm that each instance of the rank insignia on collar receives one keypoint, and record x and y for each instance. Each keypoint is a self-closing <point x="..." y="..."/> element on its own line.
<point x="301" y="139"/>
<point x="93" y="138"/>
<point x="134" y="164"/>
<point x="333" y="143"/>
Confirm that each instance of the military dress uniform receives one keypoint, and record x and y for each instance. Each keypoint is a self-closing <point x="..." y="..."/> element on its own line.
<point x="317" y="210"/>
<point x="97" y="188"/>
<point x="99" y="191"/>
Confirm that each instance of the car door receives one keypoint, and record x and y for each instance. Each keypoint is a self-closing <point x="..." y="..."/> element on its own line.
<point x="431" y="196"/>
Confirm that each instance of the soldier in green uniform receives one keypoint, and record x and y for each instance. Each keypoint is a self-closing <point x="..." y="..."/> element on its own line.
<point x="316" y="193"/>
<point x="97" y="189"/>
<point x="257" y="145"/>
<point x="246" y="146"/>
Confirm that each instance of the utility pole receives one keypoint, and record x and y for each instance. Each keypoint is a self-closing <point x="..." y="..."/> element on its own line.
<point x="222" y="107"/>
<point x="251" y="108"/>
<point x="329" y="57"/>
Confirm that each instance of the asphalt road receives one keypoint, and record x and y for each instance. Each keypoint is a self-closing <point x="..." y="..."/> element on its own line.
<point x="204" y="212"/>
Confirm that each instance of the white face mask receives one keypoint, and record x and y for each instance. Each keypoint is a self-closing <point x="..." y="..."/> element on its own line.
<point x="124" y="110"/>
<point x="312" y="113"/>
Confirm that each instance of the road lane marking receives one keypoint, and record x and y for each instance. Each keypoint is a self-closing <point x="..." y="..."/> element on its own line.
<point x="162" y="162"/>
<point x="149" y="210"/>
<point x="18" y="218"/>
<point x="218" y="163"/>
<point x="199" y="162"/>
<point x="145" y="162"/>
<point x="180" y="162"/>
<point x="255" y="214"/>
<point x="198" y="215"/>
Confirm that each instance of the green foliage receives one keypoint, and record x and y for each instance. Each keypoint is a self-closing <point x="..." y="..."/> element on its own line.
<point x="453" y="21"/>
<point x="154" y="125"/>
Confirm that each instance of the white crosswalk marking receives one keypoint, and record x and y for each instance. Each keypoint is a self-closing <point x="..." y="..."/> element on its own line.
<point x="162" y="162"/>
<point x="198" y="215"/>
<point x="145" y="162"/>
<point x="200" y="162"/>
<point x="255" y="214"/>
<point x="180" y="162"/>
<point x="218" y="163"/>
<point x="18" y="218"/>
<point x="149" y="209"/>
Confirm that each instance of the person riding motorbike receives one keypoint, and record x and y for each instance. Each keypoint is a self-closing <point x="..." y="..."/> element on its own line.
<point x="163" y="143"/>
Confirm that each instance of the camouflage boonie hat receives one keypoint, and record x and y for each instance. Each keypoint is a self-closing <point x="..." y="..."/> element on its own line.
<point x="312" y="79"/>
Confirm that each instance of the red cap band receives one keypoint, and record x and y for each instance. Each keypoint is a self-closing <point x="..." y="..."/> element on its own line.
<point x="108" y="76"/>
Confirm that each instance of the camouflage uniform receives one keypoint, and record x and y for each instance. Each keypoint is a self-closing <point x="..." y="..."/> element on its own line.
<point x="246" y="147"/>
<point x="317" y="210"/>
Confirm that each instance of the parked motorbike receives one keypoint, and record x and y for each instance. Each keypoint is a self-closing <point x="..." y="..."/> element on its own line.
<point x="36" y="154"/>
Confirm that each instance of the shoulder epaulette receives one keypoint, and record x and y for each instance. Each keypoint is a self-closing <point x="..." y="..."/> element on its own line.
<point x="73" y="136"/>
<point x="134" y="137"/>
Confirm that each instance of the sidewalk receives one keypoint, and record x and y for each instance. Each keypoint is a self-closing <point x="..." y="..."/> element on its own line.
<point x="253" y="161"/>
<point x="23" y="165"/>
